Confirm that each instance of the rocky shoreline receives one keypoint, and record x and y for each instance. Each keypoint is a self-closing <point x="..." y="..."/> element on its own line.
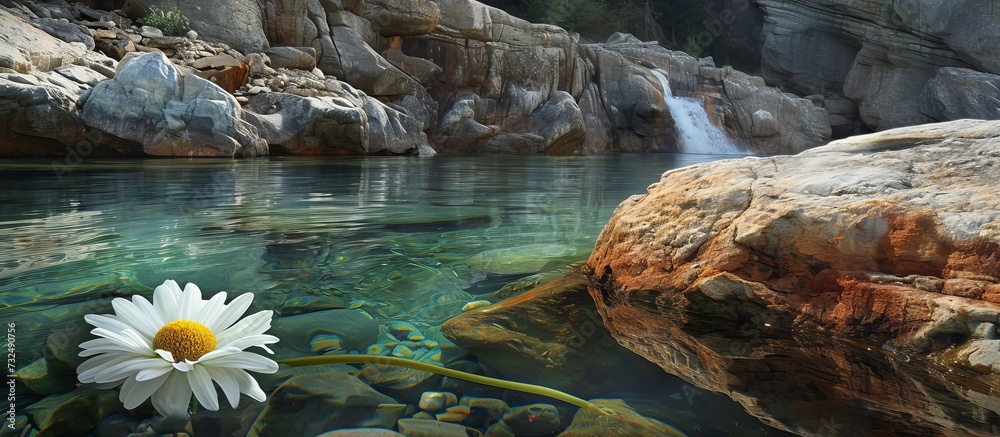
<point x="356" y="79"/>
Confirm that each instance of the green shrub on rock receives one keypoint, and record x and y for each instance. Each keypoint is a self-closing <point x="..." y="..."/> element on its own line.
<point x="167" y="20"/>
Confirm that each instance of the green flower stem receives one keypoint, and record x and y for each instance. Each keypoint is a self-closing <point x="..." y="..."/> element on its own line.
<point x="444" y="371"/>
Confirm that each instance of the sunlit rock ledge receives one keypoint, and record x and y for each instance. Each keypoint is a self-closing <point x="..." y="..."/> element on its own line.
<point x="855" y="286"/>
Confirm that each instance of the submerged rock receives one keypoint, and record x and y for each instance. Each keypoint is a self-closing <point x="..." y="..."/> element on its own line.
<point x="311" y="404"/>
<point x="552" y="336"/>
<point x="615" y="417"/>
<point x="731" y="272"/>
<point x="529" y="258"/>
<point x="532" y="420"/>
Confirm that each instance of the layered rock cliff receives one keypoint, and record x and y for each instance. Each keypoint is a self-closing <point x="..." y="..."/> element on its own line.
<point x="387" y="76"/>
<point x="854" y="287"/>
<point x="899" y="61"/>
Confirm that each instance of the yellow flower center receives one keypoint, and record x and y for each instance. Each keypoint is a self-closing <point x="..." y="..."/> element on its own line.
<point x="186" y="340"/>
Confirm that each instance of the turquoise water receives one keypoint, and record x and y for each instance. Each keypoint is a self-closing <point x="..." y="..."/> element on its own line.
<point x="229" y="225"/>
<point x="405" y="238"/>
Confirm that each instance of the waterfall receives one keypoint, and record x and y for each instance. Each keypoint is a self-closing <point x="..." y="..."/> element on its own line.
<point x="696" y="132"/>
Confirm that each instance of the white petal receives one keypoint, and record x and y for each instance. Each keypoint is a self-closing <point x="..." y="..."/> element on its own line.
<point x="254" y="340"/>
<point x="244" y="360"/>
<point x="173" y="398"/>
<point x="254" y="324"/>
<point x="190" y="302"/>
<point x="184" y="366"/>
<point x="127" y="337"/>
<point x="87" y="369"/>
<point x="248" y="385"/>
<point x="166" y="300"/>
<point x="220" y="352"/>
<point x="228" y="383"/>
<point x="145" y="342"/>
<point x="125" y="368"/>
<point x="103" y="345"/>
<point x="135" y="392"/>
<point x="232" y="312"/>
<point x="212" y="310"/>
<point x="147" y="308"/>
<point x="165" y="354"/>
<point x="154" y="371"/>
<point x="105" y="321"/>
<point x="127" y="312"/>
<point x="204" y="390"/>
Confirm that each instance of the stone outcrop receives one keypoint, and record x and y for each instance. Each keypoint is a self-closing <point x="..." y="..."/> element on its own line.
<point x="169" y="114"/>
<point x="450" y="76"/>
<point x="733" y="273"/>
<point x="881" y="54"/>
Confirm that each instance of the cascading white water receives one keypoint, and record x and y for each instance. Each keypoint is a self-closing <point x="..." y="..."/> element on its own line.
<point x="697" y="134"/>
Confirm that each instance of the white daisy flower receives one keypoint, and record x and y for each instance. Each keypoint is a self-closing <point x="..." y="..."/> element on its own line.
<point x="176" y="346"/>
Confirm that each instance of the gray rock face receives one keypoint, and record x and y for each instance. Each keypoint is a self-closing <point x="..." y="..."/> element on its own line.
<point x="956" y="93"/>
<point x="881" y="54"/>
<point x="39" y="115"/>
<point x="168" y="113"/>
<point x="65" y="31"/>
<point x="238" y="23"/>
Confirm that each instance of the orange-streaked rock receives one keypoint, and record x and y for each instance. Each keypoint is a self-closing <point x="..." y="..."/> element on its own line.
<point x="737" y="276"/>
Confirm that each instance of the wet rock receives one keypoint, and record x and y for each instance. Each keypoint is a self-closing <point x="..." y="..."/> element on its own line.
<point x="433" y="401"/>
<point x="522" y="259"/>
<point x="532" y="420"/>
<point x="484" y="411"/>
<point x="431" y="428"/>
<point x="314" y="403"/>
<point x="401" y="383"/>
<point x="74" y="412"/>
<point x="553" y="336"/>
<point x="297" y="332"/>
<point x="360" y="432"/>
<point x="843" y="241"/>
<point x="622" y="420"/>
<point x="35" y="377"/>
<point x="174" y="115"/>
<point x="309" y="304"/>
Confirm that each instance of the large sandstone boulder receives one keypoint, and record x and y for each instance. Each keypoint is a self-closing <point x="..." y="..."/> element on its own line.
<point x="169" y="114"/>
<point x="740" y="276"/>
